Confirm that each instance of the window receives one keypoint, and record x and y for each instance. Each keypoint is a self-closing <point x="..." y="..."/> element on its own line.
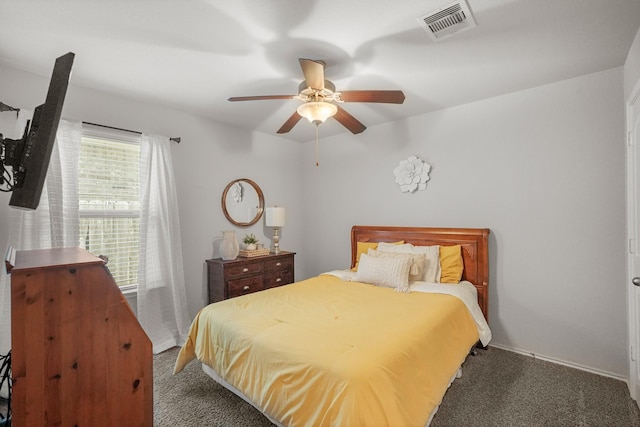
<point x="109" y="198"/>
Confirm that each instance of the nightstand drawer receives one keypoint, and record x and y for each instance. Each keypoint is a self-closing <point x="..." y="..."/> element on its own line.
<point x="243" y="269"/>
<point x="244" y="286"/>
<point x="280" y="264"/>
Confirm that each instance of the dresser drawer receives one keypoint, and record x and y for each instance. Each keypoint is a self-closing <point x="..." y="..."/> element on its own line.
<point x="244" y="286"/>
<point x="279" y="264"/>
<point x="243" y="269"/>
<point x="271" y="280"/>
<point x="241" y="276"/>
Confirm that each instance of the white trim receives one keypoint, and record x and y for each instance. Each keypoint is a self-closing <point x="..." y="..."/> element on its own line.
<point x="110" y="213"/>
<point x="561" y="362"/>
<point x="633" y="210"/>
<point x="635" y="93"/>
<point x="129" y="290"/>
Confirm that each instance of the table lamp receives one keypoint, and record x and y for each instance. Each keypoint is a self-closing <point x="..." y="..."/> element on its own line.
<point x="275" y="217"/>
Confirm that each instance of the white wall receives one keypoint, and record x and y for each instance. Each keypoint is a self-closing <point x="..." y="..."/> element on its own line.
<point x="208" y="158"/>
<point x="543" y="169"/>
<point x="632" y="67"/>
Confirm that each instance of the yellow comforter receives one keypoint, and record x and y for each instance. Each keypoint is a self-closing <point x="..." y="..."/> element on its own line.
<point x="324" y="352"/>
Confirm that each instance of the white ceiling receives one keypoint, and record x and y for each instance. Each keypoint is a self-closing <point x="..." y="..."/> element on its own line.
<point x="193" y="55"/>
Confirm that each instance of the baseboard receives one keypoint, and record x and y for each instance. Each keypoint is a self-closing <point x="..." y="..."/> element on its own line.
<point x="561" y="362"/>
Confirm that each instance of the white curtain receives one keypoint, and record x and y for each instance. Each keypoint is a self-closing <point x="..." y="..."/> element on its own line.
<point x="162" y="300"/>
<point x="55" y="222"/>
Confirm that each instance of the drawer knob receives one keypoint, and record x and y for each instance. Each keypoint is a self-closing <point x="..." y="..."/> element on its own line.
<point x="278" y="280"/>
<point x="278" y="264"/>
<point x="246" y="288"/>
<point x="244" y="270"/>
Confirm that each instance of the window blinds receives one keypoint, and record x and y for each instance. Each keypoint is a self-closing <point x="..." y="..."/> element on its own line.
<point x="109" y="202"/>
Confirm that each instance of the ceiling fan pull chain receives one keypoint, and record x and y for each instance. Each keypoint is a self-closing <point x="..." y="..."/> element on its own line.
<point x="317" y="163"/>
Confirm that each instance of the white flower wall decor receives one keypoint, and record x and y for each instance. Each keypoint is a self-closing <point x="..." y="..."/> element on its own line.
<point x="412" y="174"/>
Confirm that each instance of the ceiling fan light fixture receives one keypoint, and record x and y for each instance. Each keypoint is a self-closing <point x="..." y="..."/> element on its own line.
<point x="317" y="112"/>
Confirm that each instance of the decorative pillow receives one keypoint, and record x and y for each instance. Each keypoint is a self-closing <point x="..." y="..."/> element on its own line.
<point x="451" y="264"/>
<point x="432" y="255"/>
<point x="386" y="272"/>
<point x="398" y="247"/>
<point x="432" y="262"/>
<point x="416" y="266"/>
<point x="363" y="248"/>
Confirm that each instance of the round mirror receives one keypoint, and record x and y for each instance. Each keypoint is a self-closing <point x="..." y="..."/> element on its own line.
<point x="242" y="202"/>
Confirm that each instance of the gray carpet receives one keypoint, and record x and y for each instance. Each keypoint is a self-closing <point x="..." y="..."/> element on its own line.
<point x="501" y="388"/>
<point x="498" y="388"/>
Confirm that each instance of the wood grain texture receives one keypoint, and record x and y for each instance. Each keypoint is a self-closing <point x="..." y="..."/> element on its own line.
<point x="473" y="241"/>
<point x="240" y="276"/>
<point x="380" y="96"/>
<point x="348" y="121"/>
<point x="80" y="357"/>
<point x="290" y="123"/>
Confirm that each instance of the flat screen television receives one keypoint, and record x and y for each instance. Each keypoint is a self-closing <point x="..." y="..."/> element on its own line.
<point x="29" y="157"/>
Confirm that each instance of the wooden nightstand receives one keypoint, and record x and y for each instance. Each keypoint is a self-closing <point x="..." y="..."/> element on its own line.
<point x="228" y="279"/>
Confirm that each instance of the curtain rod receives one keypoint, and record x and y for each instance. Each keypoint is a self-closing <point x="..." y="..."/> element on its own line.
<point x="175" y="139"/>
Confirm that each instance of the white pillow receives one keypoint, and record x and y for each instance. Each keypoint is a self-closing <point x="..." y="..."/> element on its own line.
<point x="392" y="247"/>
<point x="432" y="268"/>
<point x="386" y="272"/>
<point x="416" y="267"/>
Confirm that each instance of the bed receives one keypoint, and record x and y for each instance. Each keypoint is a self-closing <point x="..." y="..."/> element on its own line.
<point x="360" y="346"/>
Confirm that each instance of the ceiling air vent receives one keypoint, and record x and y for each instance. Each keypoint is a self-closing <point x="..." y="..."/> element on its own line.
<point x="447" y="20"/>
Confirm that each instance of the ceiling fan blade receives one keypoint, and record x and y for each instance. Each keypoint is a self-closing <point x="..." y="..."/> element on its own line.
<point x="261" y="97"/>
<point x="348" y="121"/>
<point x="290" y="123"/>
<point x="384" y="96"/>
<point x="313" y="73"/>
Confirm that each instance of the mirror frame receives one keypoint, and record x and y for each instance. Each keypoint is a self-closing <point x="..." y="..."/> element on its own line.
<point x="260" y="202"/>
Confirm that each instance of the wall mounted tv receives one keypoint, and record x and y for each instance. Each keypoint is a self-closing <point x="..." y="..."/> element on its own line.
<point x="29" y="156"/>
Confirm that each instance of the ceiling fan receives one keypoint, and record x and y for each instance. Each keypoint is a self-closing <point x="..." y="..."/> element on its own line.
<point x="320" y="99"/>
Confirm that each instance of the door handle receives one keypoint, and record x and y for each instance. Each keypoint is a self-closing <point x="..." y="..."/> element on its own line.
<point x="636" y="281"/>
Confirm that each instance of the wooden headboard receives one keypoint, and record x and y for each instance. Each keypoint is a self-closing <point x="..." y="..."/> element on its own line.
<point x="474" y="243"/>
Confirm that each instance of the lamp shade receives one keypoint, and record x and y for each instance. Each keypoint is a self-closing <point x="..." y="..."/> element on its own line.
<point x="317" y="112"/>
<point x="275" y="216"/>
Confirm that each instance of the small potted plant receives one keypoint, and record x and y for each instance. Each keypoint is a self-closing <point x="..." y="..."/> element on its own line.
<point x="250" y="241"/>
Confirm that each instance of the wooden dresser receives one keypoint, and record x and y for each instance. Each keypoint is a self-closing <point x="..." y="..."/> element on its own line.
<point x="228" y="279"/>
<point x="80" y="357"/>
